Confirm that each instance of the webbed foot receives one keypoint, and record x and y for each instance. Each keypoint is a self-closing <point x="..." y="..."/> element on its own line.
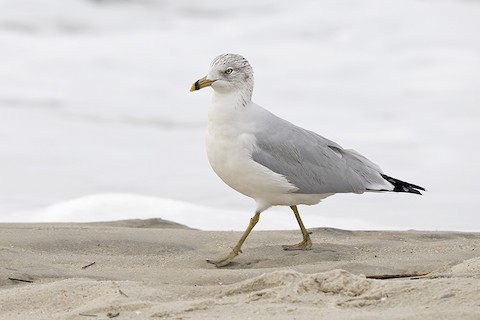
<point x="225" y="261"/>
<point x="306" y="244"/>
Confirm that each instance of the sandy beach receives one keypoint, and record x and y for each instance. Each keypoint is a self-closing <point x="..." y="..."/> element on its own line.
<point x="154" y="269"/>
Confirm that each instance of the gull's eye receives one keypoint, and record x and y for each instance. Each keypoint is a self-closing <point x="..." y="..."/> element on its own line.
<point x="228" y="70"/>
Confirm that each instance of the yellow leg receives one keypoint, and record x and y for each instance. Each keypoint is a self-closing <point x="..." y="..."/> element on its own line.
<point x="237" y="249"/>
<point x="306" y="243"/>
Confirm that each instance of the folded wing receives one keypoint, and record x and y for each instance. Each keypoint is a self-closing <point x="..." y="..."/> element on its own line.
<point x="314" y="164"/>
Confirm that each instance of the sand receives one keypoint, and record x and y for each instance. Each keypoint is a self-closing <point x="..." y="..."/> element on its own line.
<point x="155" y="269"/>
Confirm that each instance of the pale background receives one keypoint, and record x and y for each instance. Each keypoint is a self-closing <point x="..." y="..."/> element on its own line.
<point x="94" y="101"/>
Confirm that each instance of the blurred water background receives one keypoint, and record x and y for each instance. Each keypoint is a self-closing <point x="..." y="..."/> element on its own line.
<point x="96" y="120"/>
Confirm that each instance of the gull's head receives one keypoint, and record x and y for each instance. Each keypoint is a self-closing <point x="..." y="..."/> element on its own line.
<point x="228" y="73"/>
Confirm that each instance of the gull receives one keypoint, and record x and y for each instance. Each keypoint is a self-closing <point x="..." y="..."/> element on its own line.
<point x="273" y="161"/>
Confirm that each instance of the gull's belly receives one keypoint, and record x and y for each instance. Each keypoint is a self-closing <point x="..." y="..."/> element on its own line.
<point x="229" y="155"/>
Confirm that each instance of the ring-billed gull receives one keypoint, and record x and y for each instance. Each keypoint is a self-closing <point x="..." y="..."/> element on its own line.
<point x="272" y="160"/>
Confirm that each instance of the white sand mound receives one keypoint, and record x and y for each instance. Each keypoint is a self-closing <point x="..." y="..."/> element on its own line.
<point x="470" y="266"/>
<point x="120" y="206"/>
<point x="336" y="287"/>
<point x="335" y="282"/>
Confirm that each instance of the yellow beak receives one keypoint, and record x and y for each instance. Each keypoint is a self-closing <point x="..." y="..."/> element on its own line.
<point x="201" y="83"/>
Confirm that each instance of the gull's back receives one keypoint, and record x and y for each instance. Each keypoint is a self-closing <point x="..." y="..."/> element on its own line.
<point x="312" y="163"/>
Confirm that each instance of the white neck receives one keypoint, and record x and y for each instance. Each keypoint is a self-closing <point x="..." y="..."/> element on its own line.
<point x="239" y="98"/>
<point x="228" y="103"/>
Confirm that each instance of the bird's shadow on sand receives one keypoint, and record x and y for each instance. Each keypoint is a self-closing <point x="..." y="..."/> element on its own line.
<point x="275" y="256"/>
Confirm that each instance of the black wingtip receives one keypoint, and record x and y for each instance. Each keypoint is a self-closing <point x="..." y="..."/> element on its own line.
<point x="402" y="186"/>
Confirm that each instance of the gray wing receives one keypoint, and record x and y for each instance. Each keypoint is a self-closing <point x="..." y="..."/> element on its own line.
<point x="314" y="164"/>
